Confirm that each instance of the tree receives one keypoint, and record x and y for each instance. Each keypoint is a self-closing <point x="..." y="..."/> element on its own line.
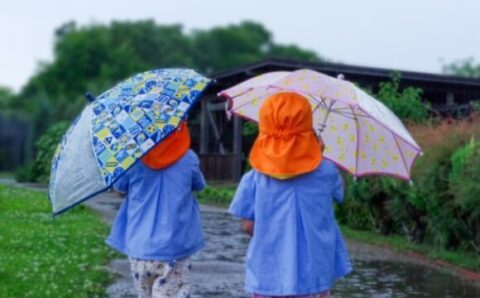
<point x="468" y="68"/>
<point x="94" y="57"/>
<point x="226" y="47"/>
<point x="6" y="98"/>
<point x="293" y="52"/>
<point x="407" y="104"/>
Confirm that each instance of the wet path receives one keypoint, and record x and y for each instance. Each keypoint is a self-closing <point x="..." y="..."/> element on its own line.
<point x="218" y="268"/>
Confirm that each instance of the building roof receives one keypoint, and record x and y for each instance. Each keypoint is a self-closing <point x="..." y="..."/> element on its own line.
<point x="436" y="87"/>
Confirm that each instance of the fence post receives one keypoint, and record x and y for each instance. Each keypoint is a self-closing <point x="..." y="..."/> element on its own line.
<point x="204" y="136"/>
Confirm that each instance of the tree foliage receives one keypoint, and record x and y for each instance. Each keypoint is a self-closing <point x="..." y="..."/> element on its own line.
<point x="94" y="57"/>
<point x="468" y="68"/>
<point x="407" y="104"/>
<point x="46" y="145"/>
<point x="6" y="98"/>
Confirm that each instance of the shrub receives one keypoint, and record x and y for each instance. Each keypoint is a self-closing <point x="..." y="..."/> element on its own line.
<point x="407" y="104"/>
<point x="431" y="195"/>
<point x="438" y="207"/>
<point x="39" y="170"/>
<point x="216" y="195"/>
<point x="465" y="188"/>
<point x="365" y="204"/>
<point x="354" y="211"/>
<point x="25" y="173"/>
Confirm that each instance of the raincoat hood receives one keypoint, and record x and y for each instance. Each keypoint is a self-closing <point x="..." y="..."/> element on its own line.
<point x="168" y="151"/>
<point x="286" y="145"/>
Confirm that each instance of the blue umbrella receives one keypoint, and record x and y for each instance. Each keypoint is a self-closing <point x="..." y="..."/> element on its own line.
<point x="116" y="129"/>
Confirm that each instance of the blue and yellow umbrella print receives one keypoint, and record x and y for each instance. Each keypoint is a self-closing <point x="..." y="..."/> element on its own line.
<point x="116" y="129"/>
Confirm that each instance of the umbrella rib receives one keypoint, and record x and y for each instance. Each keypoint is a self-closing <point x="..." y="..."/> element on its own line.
<point x="401" y="155"/>
<point x="316" y="107"/>
<point x="244" y="104"/>
<point x="357" y="149"/>
<point x="350" y="115"/>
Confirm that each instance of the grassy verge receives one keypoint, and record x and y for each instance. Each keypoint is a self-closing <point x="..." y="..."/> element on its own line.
<point x="464" y="259"/>
<point x="7" y="175"/>
<point x="45" y="257"/>
<point x="221" y="195"/>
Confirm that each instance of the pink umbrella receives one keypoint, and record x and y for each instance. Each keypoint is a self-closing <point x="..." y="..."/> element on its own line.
<point x="361" y="134"/>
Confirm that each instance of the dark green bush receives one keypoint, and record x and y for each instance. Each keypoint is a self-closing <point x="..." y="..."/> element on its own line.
<point x="354" y="212"/>
<point x="442" y="207"/>
<point x="407" y="104"/>
<point x="465" y="188"/>
<point x="39" y="170"/>
<point x="216" y="195"/>
<point x="25" y="173"/>
<point x="365" y="204"/>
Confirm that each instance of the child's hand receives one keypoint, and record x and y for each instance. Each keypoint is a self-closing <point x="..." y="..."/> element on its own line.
<point x="248" y="226"/>
<point x="118" y="193"/>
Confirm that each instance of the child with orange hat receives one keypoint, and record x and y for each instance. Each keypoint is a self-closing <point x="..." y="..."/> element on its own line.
<point x="158" y="225"/>
<point x="286" y="203"/>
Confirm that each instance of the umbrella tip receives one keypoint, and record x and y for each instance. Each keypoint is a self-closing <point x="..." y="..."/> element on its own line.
<point x="340" y="76"/>
<point x="89" y="97"/>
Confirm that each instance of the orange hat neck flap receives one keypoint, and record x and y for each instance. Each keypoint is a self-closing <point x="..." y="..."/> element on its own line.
<point x="286" y="145"/>
<point x="170" y="150"/>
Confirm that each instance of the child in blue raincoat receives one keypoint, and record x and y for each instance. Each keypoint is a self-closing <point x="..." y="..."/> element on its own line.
<point x="286" y="203"/>
<point x="158" y="225"/>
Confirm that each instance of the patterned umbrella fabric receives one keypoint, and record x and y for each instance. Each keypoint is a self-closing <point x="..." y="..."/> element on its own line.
<point x="118" y="128"/>
<point x="361" y="134"/>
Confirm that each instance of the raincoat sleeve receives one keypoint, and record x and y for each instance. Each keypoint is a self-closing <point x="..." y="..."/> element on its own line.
<point x="338" y="191"/>
<point x="198" y="181"/>
<point x="121" y="185"/>
<point x="243" y="204"/>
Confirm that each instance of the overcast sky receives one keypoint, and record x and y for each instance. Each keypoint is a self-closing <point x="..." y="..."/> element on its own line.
<point x="408" y="34"/>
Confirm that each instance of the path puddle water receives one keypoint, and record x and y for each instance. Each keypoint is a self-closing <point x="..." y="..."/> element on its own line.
<point x="379" y="279"/>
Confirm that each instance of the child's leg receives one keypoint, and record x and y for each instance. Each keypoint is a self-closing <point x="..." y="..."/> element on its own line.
<point x="144" y="274"/>
<point x="174" y="283"/>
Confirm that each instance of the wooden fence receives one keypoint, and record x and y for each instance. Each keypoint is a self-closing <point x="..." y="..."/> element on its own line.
<point x="218" y="167"/>
<point x="14" y="134"/>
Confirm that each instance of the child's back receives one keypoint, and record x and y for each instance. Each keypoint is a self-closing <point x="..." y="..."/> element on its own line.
<point x="160" y="218"/>
<point x="286" y="202"/>
<point x="296" y="246"/>
<point x="158" y="225"/>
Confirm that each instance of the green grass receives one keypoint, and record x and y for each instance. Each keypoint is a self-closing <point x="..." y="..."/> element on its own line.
<point x="217" y="195"/>
<point x="45" y="257"/>
<point x="7" y="175"/>
<point x="464" y="259"/>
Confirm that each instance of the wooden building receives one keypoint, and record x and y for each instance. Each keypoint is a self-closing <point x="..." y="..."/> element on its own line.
<point x="219" y="141"/>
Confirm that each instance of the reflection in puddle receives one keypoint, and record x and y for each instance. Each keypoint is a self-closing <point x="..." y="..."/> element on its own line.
<point x="378" y="279"/>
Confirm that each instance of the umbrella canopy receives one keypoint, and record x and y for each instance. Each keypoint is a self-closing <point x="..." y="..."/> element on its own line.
<point x="360" y="133"/>
<point x="118" y="128"/>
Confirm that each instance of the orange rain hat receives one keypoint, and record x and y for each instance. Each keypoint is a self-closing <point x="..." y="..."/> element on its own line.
<point x="286" y="145"/>
<point x="168" y="151"/>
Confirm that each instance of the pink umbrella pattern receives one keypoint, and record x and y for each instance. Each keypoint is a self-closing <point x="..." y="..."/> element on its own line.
<point x="361" y="134"/>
